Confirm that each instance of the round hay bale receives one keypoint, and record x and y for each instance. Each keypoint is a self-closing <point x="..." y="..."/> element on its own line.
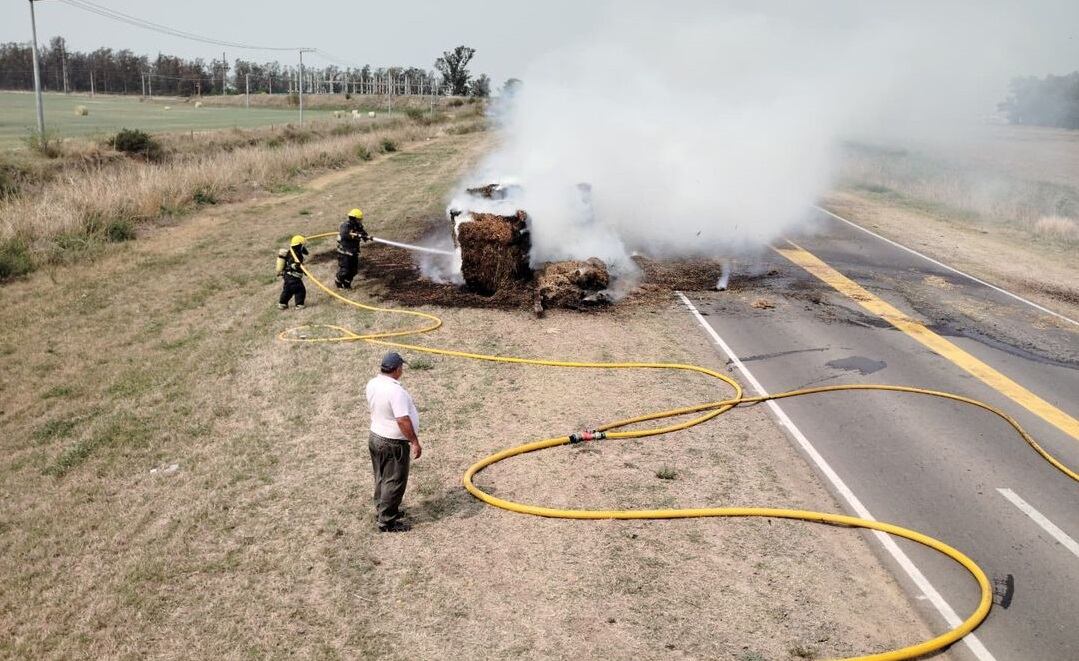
<point x="494" y="251"/>
<point x="168" y="108"/>
<point x="198" y="104"/>
<point x="337" y="114"/>
<point x="371" y="113"/>
<point x="82" y="111"/>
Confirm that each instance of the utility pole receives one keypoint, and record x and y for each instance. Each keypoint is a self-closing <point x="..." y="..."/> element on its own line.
<point x="224" y="71"/>
<point x="247" y="90"/>
<point x="37" y="75"/>
<point x="63" y="65"/>
<point x="91" y="83"/>
<point x="300" y="80"/>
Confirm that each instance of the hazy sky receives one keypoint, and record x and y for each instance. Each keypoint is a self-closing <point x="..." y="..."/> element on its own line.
<point x="507" y="34"/>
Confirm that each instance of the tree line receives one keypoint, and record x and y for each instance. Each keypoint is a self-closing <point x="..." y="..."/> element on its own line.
<point x="1052" y="101"/>
<point x="123" y="72"/>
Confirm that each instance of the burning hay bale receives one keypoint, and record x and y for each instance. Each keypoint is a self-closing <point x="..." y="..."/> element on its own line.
<point x="494" y="251"/>
<point x="572" y="284"/>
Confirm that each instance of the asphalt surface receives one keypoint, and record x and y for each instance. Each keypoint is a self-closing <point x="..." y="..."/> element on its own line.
<point x="920" y="462"/>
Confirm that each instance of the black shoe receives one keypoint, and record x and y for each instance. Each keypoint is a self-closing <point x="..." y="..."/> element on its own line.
<point x="396" y="526"/>
<point x="342" y="285"/>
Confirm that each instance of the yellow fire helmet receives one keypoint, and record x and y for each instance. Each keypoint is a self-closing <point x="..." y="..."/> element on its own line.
<point x="297" y="240"/>
<point x="356" y="213"/>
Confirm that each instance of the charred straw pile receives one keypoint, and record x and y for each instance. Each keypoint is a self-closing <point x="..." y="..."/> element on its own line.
<point x="494" y="251"/>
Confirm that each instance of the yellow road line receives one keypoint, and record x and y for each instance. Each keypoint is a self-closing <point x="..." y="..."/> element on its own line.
<point x="931" y="340"/>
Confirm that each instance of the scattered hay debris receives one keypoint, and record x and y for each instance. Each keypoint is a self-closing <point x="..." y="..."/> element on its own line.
<point x="572" y="284"/>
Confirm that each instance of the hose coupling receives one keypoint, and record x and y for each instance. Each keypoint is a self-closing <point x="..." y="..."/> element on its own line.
<point x="577" y="437"/>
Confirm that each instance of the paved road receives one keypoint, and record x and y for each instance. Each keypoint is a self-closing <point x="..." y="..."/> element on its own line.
<point x="935" y="466"/>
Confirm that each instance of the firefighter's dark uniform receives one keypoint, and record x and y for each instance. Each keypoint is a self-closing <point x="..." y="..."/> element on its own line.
<point x="293" y="277"/>
<point x="349" y="236"/>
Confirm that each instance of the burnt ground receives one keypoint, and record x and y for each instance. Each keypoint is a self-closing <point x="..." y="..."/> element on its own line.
<point x="391" y="274"/>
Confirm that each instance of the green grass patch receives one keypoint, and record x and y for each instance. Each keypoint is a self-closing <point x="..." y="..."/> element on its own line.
<point x="109" y="114"/>
<point x="285" y="188"/>
<point x="421" y="364"/>
<point x="183" y="342"/>
<point x="15" y="259"/>
<point x="124" y="430"/>
<point x="54" y="429"/>
<point x="204" y="196"/>
<point x="57" y="391"/>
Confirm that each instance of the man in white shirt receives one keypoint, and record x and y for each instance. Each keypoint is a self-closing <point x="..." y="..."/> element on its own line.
<point x="394" y="425"/>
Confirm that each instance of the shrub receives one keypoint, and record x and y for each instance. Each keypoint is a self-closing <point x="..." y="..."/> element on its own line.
<point x="1057" y="227"/>
<point x="348" y="96"/>
<point x="294" y="99"/>
<point x="295" y="135"/>
<point x="9" y="184"/>
<point x="113" y="230"/>
<point x="47" y="144"/>
<point x="14" y="259"/>
<point x="136" y="142"/>
<point x="204" y="196"/>
<point x="388" y="145"/>
<point x="667" y="473"/>
<point x="462" y="129"/>
<point x="364" y="153"/>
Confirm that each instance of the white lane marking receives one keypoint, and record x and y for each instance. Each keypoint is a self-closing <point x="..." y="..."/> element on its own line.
<point x="950" y="268"/>
<point x="1040" y="519"/>
<point x="855" y="504"/>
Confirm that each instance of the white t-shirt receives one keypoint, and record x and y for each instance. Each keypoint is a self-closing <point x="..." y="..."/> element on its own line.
<point x="388" y="400"/>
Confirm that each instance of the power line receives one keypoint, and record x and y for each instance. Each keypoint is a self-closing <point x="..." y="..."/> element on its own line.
<point x="112" y="14"/>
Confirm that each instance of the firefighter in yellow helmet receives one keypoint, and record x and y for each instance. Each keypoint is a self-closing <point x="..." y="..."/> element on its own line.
<point x="289" y="268"/>
<point x="349" y="236"/>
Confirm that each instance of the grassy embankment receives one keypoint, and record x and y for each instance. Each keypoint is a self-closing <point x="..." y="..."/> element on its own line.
<point x="260" y="543"/>
<point x="1022" y="179"/>
<point x="89" y="195"/>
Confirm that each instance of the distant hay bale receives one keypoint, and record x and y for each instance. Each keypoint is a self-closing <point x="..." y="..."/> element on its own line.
<point x="82" y="111"/>
<point x="168" y="107"/>
<point x="371" y="113"/>
<point x="198" y="104"/>
<point x="355" y="112"/>
<point x="337" y="114"/>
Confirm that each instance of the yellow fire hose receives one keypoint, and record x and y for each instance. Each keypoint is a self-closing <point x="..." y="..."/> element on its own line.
<point x="708" y="411"/>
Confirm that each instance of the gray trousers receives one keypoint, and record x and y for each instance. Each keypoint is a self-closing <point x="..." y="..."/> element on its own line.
<point x="389" y="462"/>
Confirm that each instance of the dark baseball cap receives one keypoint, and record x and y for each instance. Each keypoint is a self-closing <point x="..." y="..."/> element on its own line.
<point x="391" y="361"/>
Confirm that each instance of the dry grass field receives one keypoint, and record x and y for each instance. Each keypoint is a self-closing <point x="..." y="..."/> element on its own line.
<point x="1001" y="202"/>
<point x="162" y="352"/>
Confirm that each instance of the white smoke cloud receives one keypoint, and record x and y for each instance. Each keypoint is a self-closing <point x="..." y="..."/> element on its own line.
<point x="711" y="131"/>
